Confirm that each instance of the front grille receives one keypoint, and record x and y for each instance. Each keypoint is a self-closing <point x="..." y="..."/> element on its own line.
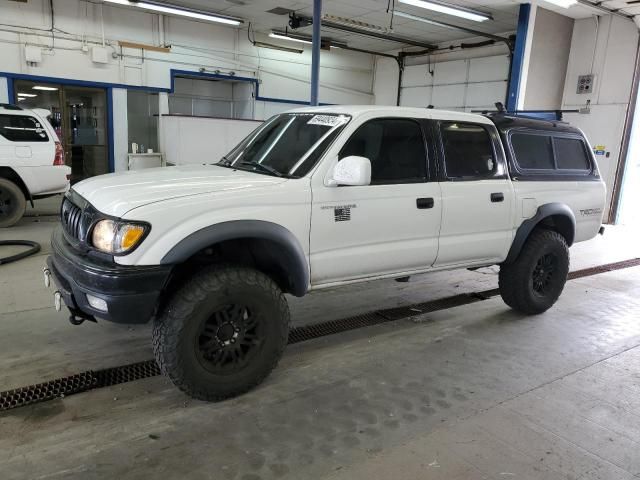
<point x="71" y="218"/>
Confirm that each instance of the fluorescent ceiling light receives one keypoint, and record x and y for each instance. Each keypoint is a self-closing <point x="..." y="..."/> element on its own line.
<point x="304" y="39"/>
<point x="421" y="19"/>
<point x="27" y="95"/>
<point x="282" y="36"/>
<point x="449" y="9"/>
<point x="562" y="3"/>
<point x="47" y="89"/>
<point x="171" y="10"/>
<point x="277" y="47"/>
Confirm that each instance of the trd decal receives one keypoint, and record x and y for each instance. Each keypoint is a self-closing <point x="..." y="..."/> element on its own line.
<point x="588" y="212"/>
<point x="341" y="213"/>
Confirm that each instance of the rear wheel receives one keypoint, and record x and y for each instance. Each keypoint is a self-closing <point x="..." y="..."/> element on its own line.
<point x="535" y="280"/>
<point x="222" y="333"/>
<point x="12" y="203"/>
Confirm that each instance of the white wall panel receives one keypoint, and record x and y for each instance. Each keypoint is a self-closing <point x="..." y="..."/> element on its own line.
<point x="416" y="97"/>
<point x="486" y="69"/>
<point x="472" y="83"/>
<point x="192" y="140"/>
<point x="485" y="94"/>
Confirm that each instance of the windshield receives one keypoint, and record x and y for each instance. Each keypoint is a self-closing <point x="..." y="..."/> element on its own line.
<point x="287" y="145"/>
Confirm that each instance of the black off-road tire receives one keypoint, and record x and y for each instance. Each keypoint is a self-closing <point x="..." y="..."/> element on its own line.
<point x="183" y="330"/>
<point x="535" y="280"/>
<point x="12" y="203"/>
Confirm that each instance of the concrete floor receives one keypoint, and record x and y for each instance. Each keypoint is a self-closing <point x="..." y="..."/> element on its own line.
<point x="472" y="392"/>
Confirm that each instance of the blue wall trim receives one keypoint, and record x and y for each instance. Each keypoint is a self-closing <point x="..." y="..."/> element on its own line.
<point x="12" y="77"/>
<point x="83" y="83"/>
<point x="111" y="147"/>
<point x="11" y="96"/>
<point x="518" y="57"/>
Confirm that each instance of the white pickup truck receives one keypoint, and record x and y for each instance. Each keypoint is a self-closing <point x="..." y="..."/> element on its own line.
<point x="317" y="198"/>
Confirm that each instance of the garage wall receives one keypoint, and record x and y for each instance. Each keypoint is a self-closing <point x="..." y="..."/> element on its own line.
<point x="550" y="45"/>
<point x="607" y="49"/>
<point x="468" y="84"/>
<point x="457" y="80"/>
<point x="346" y="77"/>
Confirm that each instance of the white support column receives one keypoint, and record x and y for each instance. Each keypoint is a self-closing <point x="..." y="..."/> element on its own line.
<point x="4" y="90"/>
<point x="120" y="130"/>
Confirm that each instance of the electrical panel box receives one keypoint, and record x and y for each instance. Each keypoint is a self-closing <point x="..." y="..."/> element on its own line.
<point x="100" y="55"/>
<point x="33" y="54"/>
<point x="585" y="84"/>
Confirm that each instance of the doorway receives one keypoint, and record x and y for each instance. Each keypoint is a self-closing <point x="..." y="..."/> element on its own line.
<point x="79" y="117"/>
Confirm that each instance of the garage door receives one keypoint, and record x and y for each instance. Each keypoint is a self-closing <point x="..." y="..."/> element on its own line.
<point x="470" y="84"/>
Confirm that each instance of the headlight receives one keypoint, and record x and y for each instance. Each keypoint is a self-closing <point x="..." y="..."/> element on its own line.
<point x="115" y="237"/>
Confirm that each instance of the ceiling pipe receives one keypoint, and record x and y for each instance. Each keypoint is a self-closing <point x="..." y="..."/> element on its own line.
<point x="297" y="21"/>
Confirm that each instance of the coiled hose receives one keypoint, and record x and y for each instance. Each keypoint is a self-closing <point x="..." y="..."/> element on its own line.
<point x="34" y="248"/>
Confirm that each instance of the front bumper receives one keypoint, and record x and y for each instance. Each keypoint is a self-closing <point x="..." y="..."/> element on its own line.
<point x="131" y="293"/>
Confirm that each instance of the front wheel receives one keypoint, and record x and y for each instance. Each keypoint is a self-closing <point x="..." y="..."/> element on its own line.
<point x="535" y="280"/>
<point x="12" y="203"/>
<point x="222" y="333"/>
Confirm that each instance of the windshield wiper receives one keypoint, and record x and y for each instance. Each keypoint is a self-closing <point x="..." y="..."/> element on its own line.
<point x="265" y="168"/>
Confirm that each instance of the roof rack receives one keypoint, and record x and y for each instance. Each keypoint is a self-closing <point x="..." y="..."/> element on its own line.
<point x="10" y="106"/>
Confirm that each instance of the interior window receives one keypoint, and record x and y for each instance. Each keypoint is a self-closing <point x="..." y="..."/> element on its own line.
<point x="533" y="152"/>
<point x="394" y="146"/>
<point x="468" y="150"/>
<point x="20" y="128"/>
<point x="571" y="154"/>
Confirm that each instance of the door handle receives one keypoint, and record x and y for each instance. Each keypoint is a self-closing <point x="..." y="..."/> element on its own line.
<point x="423" y="203"/>
<point x="497" y="197"/>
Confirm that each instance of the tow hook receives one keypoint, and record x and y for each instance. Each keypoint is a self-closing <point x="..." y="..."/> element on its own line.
<point x="78" y="317"/>
<point x="57" y="300"/>
<point x="47" y="277"/>
<point x="75" y="320"/>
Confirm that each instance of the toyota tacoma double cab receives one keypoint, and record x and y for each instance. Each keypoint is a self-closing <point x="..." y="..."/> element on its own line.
<point x="315" y="198"/>
<point x="31" y="161"/>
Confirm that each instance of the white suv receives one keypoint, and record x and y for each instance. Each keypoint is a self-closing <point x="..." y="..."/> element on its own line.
<point x="318" y="198"/>
<point x="31" y="161"/>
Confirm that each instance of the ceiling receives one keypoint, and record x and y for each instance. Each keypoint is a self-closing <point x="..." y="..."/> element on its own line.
<point x="504" y="12"/>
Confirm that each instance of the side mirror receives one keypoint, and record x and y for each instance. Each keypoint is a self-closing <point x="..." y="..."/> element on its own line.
<point x="353" y="171"/>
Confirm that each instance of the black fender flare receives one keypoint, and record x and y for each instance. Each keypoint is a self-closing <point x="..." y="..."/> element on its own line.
<point x="544" y="211"/>
<point x="294" y="260"/>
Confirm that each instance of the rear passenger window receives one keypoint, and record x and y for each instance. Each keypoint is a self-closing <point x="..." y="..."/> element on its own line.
<point x="533" y="152"/>
<point x="20" y="128"/>
<point x="394" y="146"/>
<point x="468" y="150"/>
<point x="571" y="154"/>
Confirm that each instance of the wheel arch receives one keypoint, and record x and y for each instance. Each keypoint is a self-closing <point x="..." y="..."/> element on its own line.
<point x="10" y="174"/>
<point x="269" y="246"/>
<point x="553" y="216"/>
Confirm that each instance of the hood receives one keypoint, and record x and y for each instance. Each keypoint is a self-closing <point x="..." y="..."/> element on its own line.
<point x="117" y="193"/>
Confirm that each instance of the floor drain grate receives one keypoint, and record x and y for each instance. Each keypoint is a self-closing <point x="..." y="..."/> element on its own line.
<point x="309" y="332"/>
<point x="93" y="379"/>
<point x="81" y="382"/>
<point x="608" y="267"/>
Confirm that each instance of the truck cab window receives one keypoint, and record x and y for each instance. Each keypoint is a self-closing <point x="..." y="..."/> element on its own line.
<point x="468" y="150"/>
<point x="533" y="152"/>
<point x="571" y="154"/>
<point x="395" y="147"/>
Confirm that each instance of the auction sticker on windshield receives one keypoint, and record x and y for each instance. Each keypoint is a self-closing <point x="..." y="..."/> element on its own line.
<point x="327" y="120"/>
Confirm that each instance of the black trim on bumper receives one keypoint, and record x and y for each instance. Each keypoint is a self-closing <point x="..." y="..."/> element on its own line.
<point x="131" y="292"/>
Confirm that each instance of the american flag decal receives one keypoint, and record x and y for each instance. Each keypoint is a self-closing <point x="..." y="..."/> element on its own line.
<point x="342" y="214"/>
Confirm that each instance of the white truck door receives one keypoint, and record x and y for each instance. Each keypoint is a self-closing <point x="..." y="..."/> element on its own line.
<point x="477" y="195"/>
<point x="389" y="226"/>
